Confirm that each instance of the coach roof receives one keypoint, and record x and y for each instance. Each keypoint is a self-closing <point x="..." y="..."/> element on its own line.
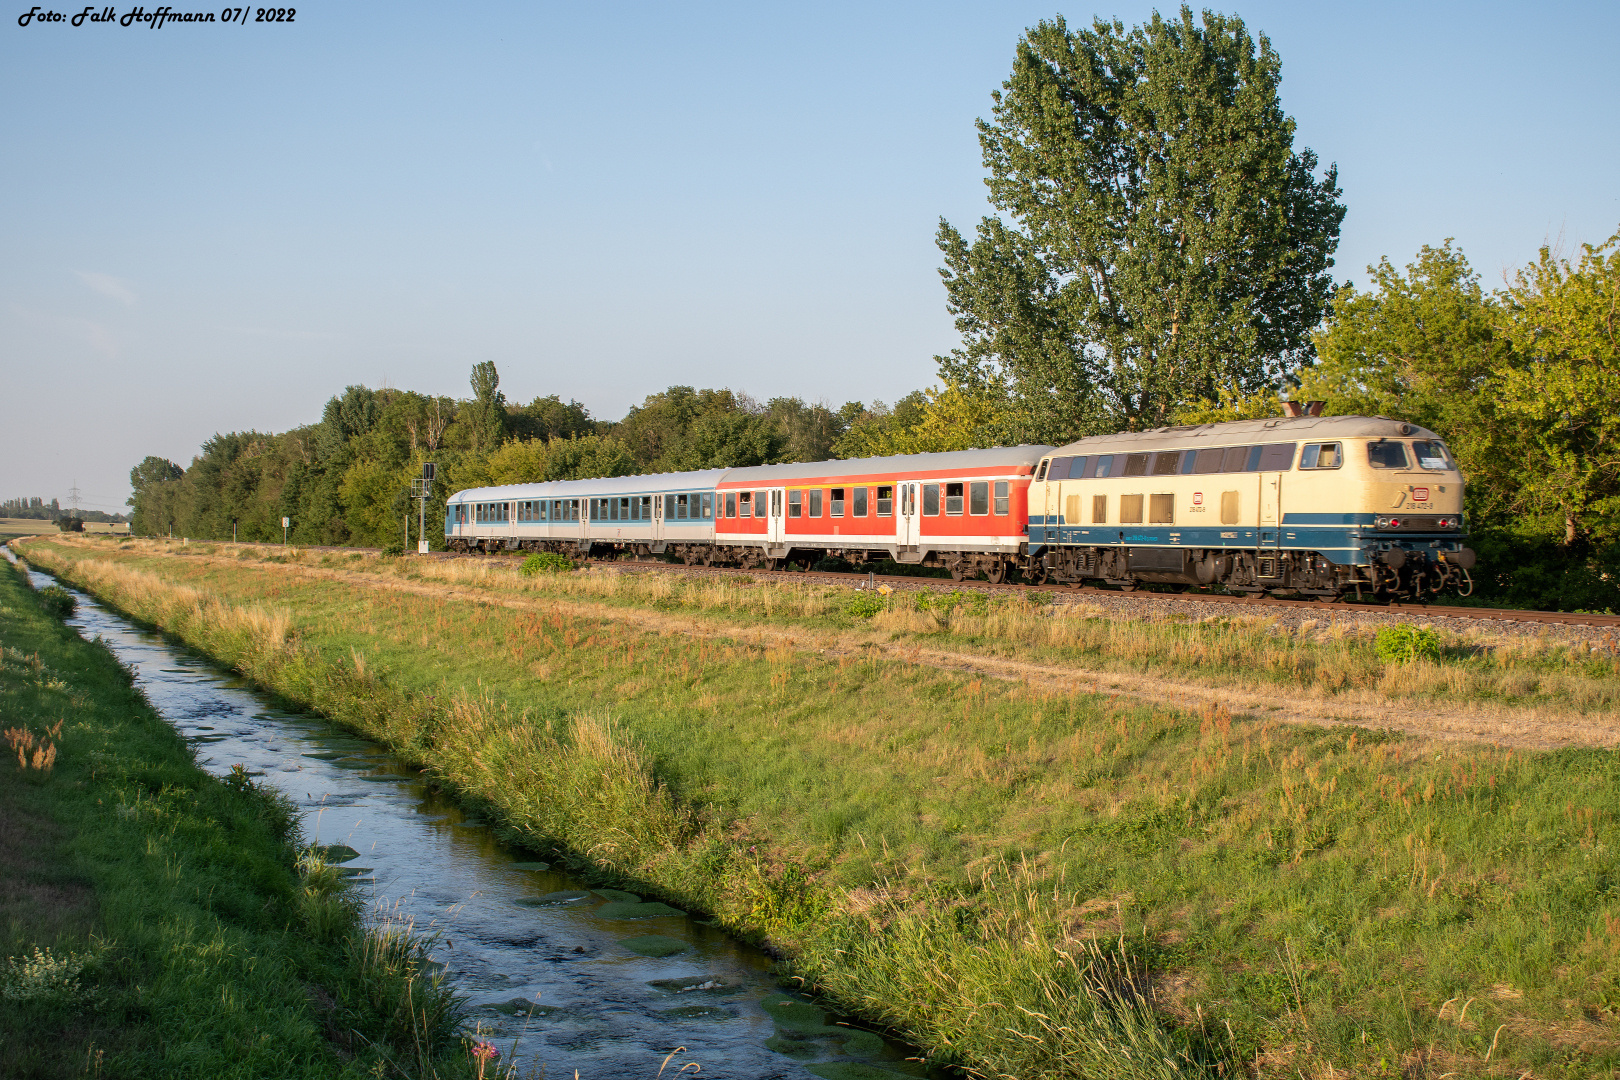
<point x="1003" y="457"/>
<point x="647" y="484"/>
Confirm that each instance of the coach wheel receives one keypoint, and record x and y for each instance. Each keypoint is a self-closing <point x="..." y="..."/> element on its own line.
<point x="689" y="557"/>
<point x="997" y="572"/>
<point x="776" y="564"/>
<point x="958" y="569"/>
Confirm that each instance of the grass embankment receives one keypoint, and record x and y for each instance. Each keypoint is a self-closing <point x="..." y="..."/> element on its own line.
<point x="953" y="855"/>
<point x="159" y="922"/>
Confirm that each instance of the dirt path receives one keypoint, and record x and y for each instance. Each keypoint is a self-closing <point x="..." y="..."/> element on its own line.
<point x="1527" y="728"/>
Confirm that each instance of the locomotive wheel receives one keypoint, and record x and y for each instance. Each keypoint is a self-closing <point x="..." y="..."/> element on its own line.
<point x="1038" y="574"/>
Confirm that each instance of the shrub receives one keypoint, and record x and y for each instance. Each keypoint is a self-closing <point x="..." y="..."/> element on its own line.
<point x="393" y="550"/>
<point x="1404" y="643"/>
<point x="864" y="605"/>
<point x="58" y="601"/>
<point x="546" y="562"/>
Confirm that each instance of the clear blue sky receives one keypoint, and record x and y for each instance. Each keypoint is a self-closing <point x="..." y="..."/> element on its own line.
<point x="210" y="228"/>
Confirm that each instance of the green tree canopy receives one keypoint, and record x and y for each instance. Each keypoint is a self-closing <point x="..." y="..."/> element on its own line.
<point x="1158" y="236"/>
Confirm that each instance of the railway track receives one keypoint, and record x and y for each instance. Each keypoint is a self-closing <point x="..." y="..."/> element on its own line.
<point x="1066" y="592"/>
<point x="1081" y="592"/>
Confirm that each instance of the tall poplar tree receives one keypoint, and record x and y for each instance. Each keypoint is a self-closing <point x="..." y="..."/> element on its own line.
<point x="1157" y="237"/>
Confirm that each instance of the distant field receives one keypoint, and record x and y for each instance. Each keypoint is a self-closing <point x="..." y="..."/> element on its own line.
<point x="39" y="526"/>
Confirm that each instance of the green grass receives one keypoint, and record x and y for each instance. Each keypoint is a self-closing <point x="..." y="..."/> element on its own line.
<point x="1023" y="882"/>
<point x="204" y="948"/>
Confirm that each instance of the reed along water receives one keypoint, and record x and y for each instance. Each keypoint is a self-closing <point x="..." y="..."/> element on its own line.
<point x="558" y="974"/>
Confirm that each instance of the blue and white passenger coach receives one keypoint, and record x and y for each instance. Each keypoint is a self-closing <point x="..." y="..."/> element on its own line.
<point x="643" y="514"/>
<point x="1317" y="505"/>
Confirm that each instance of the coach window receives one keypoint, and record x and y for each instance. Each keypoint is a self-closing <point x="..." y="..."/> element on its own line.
<point x="815" y="502"/>
<point x="1162" y="510"/>
<point x="1130" y="509"/>
<point x="573" y="509"/>
<point x="1167" y="463"/>
<point x="979" y="498"/>
<point x="795" y="504"/>
<point x="624" y="509"/>
<point x="1040" y="473"/>
<point x="760" y="503"/>
<point x="1136" y="464"/>
<point x="613" y="510"/>
<point x="836" y="497"/>
<point x="685" y="507"/>
<point x="953" y="498"/>
<point x="1002" y="488"/>
<point x="931" y="500"/>
<point x="1320" y="456"/>
<point x="731" y="504"/>
<point x="885" y="501"/>
<point x="1099" y="509"/>
<point x="1278" y="457"/>
<point x="745" y="504"/>
<point x="1387" y="455"/>
<point x="859" y="509"/>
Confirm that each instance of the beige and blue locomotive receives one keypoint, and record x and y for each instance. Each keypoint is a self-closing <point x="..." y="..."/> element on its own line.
<point x="1315" y="505"/>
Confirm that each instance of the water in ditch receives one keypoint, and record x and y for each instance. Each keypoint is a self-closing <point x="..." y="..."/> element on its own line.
<point x="555" y="974"/>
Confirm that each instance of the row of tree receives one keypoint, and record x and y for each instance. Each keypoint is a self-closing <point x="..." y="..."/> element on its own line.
<point x="40" y="509"/>
<point x="1159" y="253"/>
<point x="346" y="479"/>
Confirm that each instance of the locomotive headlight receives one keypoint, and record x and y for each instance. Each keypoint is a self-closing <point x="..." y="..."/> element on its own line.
<point x="1394" y="523"/>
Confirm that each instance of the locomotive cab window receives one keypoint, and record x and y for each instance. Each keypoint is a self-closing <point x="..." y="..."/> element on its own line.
<point x="931" y="500"/>
<point x="1040" y="473"/>
<point x="837" y="500"/>
<point x="885" y="501"/>
<point x="979" y="497"/>
<point x="1387" y="455"/>
<point x="1431" y="454"/>
<point x="953" y="499"/>
<point x="1059" y="469"/>
<point x="1002" y="488"/>
<point x="815" y="503"/>
<point x="1321" y="456"/>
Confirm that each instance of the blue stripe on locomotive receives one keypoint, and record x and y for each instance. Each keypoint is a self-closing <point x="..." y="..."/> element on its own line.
<point x="1345" y="539"/>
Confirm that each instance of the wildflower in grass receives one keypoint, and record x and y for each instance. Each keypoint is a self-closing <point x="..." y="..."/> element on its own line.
<point x="483" y="1053"/>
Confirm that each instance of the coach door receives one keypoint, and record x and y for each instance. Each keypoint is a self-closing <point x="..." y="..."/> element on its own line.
<point x="905" y="517"/>
<point x="774" y="531"/>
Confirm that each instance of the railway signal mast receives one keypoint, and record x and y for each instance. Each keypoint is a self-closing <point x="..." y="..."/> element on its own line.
<point x="422" y="491"/>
